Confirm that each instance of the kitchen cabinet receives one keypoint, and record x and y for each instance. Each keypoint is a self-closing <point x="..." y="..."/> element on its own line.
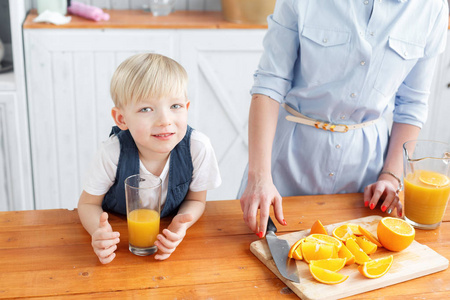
<point x="68" y="75"/>
<point x="16" y="187"/>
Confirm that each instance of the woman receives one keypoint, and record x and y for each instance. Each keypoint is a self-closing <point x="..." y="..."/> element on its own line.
<point x="330" y="73"/>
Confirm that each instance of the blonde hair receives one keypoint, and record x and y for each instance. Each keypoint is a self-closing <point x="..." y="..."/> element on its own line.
<point x="147" y="75"/>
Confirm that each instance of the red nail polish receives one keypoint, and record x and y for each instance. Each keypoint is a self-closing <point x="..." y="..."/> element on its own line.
<point x="372" y="205"/>
<point x="400" y="214"/>
<point x="366" y="203"/>
<point x="260" y="234"/>
<point x="284" y="222"/>
<point x="383" y="208"/>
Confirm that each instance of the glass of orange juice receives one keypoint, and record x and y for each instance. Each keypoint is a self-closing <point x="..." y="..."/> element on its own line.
<point x="143" y="196"/>
<point x="426" y="178"/>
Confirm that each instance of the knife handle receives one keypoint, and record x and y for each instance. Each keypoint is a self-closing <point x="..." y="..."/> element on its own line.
<point x="271" y="226"/>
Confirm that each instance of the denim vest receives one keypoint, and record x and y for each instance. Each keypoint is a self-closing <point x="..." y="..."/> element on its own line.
<point x="180" y="173"/>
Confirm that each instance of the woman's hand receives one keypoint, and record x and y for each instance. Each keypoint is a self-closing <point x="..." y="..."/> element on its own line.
<point x="385" y="190"/>
<point x="104" y="240"/>
<point x="171" y="237"/>
<point x="261" y="194"/>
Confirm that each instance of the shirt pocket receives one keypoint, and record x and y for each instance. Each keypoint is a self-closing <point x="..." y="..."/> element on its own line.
<point x="399" y="58"/>
<point x="324" y="54"/>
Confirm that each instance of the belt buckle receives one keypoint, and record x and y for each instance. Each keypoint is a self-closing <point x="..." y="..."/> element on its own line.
<point x="331" y="127"/>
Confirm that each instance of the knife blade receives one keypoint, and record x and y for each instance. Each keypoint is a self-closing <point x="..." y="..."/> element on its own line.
<point x="279" y="249"/>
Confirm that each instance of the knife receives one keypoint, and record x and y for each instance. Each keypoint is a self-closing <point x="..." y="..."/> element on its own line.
<point x="279" y="249"/>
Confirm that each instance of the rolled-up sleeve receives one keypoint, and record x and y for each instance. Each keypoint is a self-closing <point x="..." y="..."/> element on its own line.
<point x="276" y="68"/>
<point x="411" y="102"/>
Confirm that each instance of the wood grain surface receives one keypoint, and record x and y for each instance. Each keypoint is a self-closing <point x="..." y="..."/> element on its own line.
<point x="46" y="254"/>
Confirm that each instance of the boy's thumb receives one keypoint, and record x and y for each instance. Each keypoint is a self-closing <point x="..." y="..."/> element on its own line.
<point x="103" y="219"/>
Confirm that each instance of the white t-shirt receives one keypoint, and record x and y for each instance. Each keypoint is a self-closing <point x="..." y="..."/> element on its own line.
<point x="102" y="172"/>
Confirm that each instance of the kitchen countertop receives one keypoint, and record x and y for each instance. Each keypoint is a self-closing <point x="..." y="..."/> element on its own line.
<point x="48" y="254"/>
<point x="139" y="19"/>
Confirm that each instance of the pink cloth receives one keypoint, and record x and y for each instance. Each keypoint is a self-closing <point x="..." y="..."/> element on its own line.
<point x="87" y="11"/>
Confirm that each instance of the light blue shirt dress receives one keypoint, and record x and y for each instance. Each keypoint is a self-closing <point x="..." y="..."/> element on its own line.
<point x="345" y="62"/>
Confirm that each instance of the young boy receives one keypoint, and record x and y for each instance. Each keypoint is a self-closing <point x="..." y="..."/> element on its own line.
<point x="152" y="136"/>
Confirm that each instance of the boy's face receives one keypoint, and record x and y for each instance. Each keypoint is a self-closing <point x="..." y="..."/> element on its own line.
<point x="157" y="125"/>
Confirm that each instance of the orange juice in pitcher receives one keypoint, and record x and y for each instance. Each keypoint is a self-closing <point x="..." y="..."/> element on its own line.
<point x="426" y="181"/>
<point x="427" y="194"/>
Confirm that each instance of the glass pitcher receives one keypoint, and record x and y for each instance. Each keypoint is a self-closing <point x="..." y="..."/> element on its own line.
<point x="426" y="180"/>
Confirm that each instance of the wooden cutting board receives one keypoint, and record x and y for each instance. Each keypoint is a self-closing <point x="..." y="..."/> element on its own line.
<point x="415" y="261"/>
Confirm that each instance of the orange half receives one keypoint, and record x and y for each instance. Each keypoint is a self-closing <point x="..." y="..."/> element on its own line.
<point x="395" y="234"/>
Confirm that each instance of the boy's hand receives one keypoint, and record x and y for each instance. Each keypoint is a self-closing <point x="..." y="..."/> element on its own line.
<point x="171" y="237"/>
<point x="104" y="240"/>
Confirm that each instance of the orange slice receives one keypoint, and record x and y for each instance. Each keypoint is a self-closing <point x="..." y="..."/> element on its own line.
<point x="296" y="252"/>
<point x="326" y="276"/>
<point x="316" y="251"/>
<point x="360" y="256"/>
<point x="377" y="267"/>
<point x="343" y="232"/>
<point x="317" y="237"/>
<point x="434" y="178"/>
<point x="366" y="245"/>
<point x="368" y="235"/>
<point x="317" y="227"/>
<point x="330" y="264"/>
<point x="395" y="234"/>
<point x="345" y="253"/>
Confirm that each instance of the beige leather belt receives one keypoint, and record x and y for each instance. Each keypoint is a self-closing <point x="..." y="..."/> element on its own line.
<point x="302" y="119"/>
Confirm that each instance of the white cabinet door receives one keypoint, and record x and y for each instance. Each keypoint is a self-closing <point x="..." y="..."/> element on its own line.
<point x="220" y="65"/>
<point x="69" y="73"/>
<point x="436" y="127"/>
<point x="15" y="179"/>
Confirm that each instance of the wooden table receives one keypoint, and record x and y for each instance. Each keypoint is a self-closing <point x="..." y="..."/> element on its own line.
<point x="47" y="253"/>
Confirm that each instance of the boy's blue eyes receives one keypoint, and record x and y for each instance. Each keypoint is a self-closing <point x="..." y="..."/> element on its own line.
<point x="148" y="109"/>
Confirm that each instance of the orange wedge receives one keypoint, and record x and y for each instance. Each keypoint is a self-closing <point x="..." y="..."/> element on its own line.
<point x="433" y="178"/>
<point x="343" y="232"/>
<point x="296" y="251"/>
<point x="317" y="237"/>
<point x="316" y="251"/>
<point x="330" y="264"/>
<point x="366" y="245"/>
<point x="395" y="234"/>
<point x="368" y="235"/>
<point x="377" y="267"/>
<point x="345" y="253"/>
<point x="360" y="256"/>
<point x="326" y="276"/>
<point x="317" y="227"/>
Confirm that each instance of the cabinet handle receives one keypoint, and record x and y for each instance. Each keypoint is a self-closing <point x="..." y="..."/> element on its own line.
<point x="448" y="85"/>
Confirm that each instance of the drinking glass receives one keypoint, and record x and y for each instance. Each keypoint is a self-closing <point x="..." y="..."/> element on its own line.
<point x="426" y="181"/>
<point x="143" y="197"/>
<point x="161" y="7"/>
